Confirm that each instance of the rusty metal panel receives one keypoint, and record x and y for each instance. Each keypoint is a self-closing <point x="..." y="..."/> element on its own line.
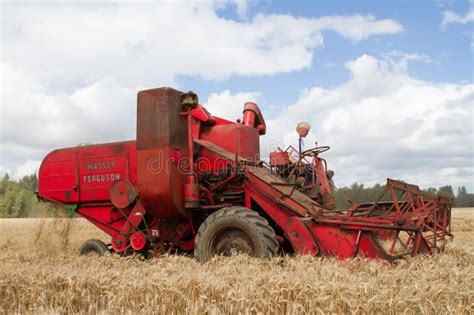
<point x="161" y="144"/>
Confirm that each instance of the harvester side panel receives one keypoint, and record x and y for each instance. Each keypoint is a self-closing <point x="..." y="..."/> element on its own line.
<point x="58" y="176"/>
<point x="84" y="174"/>
<point x="100" y="166"/>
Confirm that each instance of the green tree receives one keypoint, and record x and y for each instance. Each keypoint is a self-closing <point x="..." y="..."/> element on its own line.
<point x="464" y="199"/>
<point x="446" y="191"/>
<point x="431" y="190"/>
<point x="462" y="191"/>
<point x="360" y="194"/>
<point x="17" y="199"/>
<point x="29" y="182"/>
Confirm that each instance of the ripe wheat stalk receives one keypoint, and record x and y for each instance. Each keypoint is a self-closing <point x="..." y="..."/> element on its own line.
<point x="42" y="273"/>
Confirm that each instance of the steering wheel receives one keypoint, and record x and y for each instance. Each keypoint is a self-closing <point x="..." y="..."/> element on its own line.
<point x="314" y="151"/>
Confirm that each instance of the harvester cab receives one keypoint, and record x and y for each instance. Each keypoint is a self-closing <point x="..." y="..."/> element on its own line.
<point x="194" y="183"/>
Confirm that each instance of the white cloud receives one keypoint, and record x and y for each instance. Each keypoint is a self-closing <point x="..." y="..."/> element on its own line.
<point x="70" y="70"/>
<point x="384" y="123"/>
<point x="34" y="121"/>
<point x="27" y="168"/>
<point x="230" y="106"/>
<point x="357" y="27"/>
<point x="153" y="42"/>
<point x="400" y="59"/>
<point x="450" y="17"/>
<point x="33" y="118"/>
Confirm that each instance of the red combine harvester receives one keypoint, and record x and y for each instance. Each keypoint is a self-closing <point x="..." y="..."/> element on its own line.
<point x="192" y="182"/>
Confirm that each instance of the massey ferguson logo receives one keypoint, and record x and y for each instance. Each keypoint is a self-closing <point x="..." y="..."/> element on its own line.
<point x="100" y="165"/>
<point x="97" y="178"/>
<point x="101" y="178"/>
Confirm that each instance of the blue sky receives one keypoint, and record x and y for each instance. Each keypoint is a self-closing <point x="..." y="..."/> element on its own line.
<point x="449" y="47"/>
<point x="387" y="84"/>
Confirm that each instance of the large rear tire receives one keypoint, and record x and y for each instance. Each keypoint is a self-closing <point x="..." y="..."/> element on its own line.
<point x="235" y="230"/>
<point x="93" y="248"/>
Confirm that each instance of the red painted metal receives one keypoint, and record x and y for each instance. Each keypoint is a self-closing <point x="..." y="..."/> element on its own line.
<point x="161" y="138"/>
<point x="153" y="193"/>
<point x="203" y="115"/>
<point x="122" y="193"/>
<point x="253" y="118"/>
<point x="84" y="174"/>
<point x="235" y="138"/>
<point x="138" y="241"/>
<point x="191" y="188"/>
<point x="328" y="199"/>
<point x="119" y="243"/>
<point x="279" y="158"/>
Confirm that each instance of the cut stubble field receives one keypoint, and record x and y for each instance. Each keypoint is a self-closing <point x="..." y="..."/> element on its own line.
<point x="41" y="272"/>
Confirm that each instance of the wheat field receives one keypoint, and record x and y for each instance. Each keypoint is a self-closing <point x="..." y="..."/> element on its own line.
<point x="41" y="272"/>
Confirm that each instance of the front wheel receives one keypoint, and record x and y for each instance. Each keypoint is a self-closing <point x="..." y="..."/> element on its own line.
<point x="235" y="230"/>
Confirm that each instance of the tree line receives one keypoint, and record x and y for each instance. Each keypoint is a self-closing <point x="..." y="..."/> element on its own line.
<point x="360" y="194"/>
<point x="18" y="198"/>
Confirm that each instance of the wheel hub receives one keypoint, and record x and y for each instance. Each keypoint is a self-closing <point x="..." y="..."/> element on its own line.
<point x="231" y="242"/>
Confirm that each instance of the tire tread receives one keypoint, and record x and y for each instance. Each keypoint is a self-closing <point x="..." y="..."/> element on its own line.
<point x="265" y="232"/>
